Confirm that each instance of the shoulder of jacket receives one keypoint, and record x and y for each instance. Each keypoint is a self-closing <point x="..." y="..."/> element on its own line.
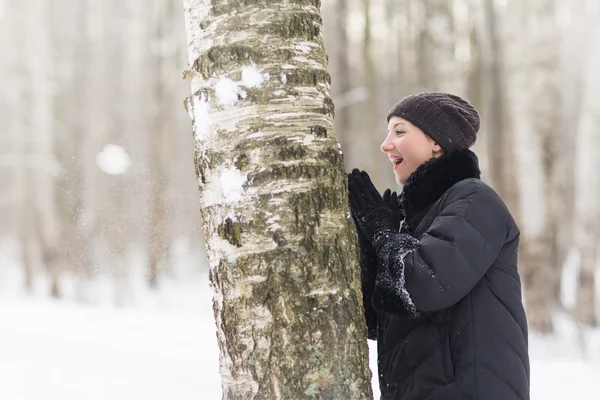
<point x="472" y="188"/>
<point x="484" y="200"/>
<point x="477" y="194"/>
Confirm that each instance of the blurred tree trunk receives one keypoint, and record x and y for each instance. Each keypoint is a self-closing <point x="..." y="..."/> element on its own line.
<point x="182" y="214"/>
<point x="340" y="68"/>
<point x="578" y="28"/>
<point x="39" y="223"/>
<point x="280" y="243"/>
<point x="534" y="99"/>
<point x="161" y="17"/>
<point x="496" y="123"/>
<point x="476" y="82"/>
<point x="15" y="92"/>
<point x="438" y="67"/>
<point x="44" y="185"/>
<point x="71" y="50"/>
<point x="128" y="189"/>
<point x="372" y="123"/>
<point x="95" y="125"/>
<point x="587" y="190"/>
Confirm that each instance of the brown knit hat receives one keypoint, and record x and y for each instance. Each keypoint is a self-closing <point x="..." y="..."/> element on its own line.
<point x="449" y="120"/>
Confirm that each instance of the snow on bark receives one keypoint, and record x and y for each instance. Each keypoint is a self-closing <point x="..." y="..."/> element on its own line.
<point x="284" y="266"/>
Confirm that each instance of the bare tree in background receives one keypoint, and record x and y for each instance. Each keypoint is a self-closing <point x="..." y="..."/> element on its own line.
<point x="160" y="145"/>
<point x="339" y="65"/>
<point x="280" y="242"/>
<point x="535" y="99"/>
<point x="438" y="66"/>
<point x="587" y="190"/>
<point x="496" y="123"/>
<point x="35" y="151"/>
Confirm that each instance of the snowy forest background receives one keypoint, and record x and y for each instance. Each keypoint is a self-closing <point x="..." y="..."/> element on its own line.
<point x="103" y="278"/>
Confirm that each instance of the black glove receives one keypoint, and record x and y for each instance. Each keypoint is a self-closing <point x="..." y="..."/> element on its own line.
<point x="391" y="199"/>
<point x="370" y="211"/>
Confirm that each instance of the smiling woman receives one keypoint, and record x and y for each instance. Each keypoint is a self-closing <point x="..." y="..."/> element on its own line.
<point x="441" y="291"/>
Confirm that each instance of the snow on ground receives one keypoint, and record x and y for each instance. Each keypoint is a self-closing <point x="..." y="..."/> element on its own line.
<point x="164" y="347"/>
<point x="57" y="350"/>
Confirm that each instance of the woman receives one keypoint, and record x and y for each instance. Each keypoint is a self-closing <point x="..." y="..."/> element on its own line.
<point x="441" y="290"/>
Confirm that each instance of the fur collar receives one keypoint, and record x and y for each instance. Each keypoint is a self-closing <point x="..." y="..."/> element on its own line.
<point x="434" y="177"/>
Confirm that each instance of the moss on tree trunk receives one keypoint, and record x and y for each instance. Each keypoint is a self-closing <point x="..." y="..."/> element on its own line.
<point x="280" y="241"/>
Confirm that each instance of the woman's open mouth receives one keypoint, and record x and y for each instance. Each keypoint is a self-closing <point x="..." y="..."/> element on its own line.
<point x="397" y="162"/>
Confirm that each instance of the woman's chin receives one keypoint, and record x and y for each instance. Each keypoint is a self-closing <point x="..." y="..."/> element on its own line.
<point x="400" y="178"/>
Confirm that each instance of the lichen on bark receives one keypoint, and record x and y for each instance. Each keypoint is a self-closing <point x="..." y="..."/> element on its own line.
<point x="281" y="245"/>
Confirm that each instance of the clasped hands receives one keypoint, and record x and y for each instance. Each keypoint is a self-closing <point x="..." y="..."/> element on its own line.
<point x="373" y="214"/>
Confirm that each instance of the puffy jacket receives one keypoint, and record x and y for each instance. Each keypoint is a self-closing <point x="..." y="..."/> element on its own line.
<point x="446" y="309"/>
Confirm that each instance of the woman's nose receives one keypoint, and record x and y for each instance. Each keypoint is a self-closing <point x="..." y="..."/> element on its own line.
<point x="386" y="146"/>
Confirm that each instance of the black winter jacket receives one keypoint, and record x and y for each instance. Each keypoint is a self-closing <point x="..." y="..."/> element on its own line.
<point x="446" y="308"/>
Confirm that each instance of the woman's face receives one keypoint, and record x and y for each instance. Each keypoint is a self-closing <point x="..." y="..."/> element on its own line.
<point x="407" y="147"/>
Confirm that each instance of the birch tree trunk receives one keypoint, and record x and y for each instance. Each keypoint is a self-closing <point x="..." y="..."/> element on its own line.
<point x="587" y="190"/>
<point x="279" y="239"/>
<point x="40" y="225"/>
<point x="535" y="99"/>
<point x="96" y="108"/>
<point x="497" y="125"/>
<point x="438" y="67"/>
<point x="159" y="148"/>
<point x="44" y="185"/>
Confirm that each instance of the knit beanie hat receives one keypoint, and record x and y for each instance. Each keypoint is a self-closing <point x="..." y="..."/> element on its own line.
<point x="449" y="120"/>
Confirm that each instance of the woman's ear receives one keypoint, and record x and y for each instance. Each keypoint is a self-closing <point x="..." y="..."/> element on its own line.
<point x="436" y="148"/>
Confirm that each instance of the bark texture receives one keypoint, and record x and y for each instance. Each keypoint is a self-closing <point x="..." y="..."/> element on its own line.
<point x="279" y="239"/>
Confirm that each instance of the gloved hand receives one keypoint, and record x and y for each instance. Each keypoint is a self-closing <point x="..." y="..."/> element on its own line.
<point x="391" y="199"/>
<point x="370" y="211"/>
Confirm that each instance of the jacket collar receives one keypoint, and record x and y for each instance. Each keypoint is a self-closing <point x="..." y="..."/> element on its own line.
<point x="432" y="179"/>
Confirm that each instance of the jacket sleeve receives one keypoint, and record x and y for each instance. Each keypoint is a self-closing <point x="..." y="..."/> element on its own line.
<point x="438" y="270"/>
<point x="368" y="270"/>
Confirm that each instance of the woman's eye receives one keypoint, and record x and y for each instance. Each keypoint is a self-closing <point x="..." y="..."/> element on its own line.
<point x="399" y="132"/>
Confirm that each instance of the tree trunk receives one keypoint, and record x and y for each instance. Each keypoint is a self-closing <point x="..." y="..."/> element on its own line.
<point x="496" y="124"/>
<point x="159" y="147"/>
<point x="340" y="68"/>
<point x="39" y="234"/>
<point x="93" y="136"/>
<point x="535" y="99"/>
<point x="438" y="67"/>
<point x="587" y="190"/>
<point x="279" y="239"/>
<point x="372" y="123"/>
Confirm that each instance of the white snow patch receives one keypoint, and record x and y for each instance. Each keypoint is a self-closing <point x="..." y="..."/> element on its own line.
<point x="227" y="92"/>
<point x="232" y="181"/>
<point x="251" y="77"/>
<point x="202" y="118"/>
<point x="283" y="77"/>
<point x="288" y="66"/>
<point x="113" y="160"/>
